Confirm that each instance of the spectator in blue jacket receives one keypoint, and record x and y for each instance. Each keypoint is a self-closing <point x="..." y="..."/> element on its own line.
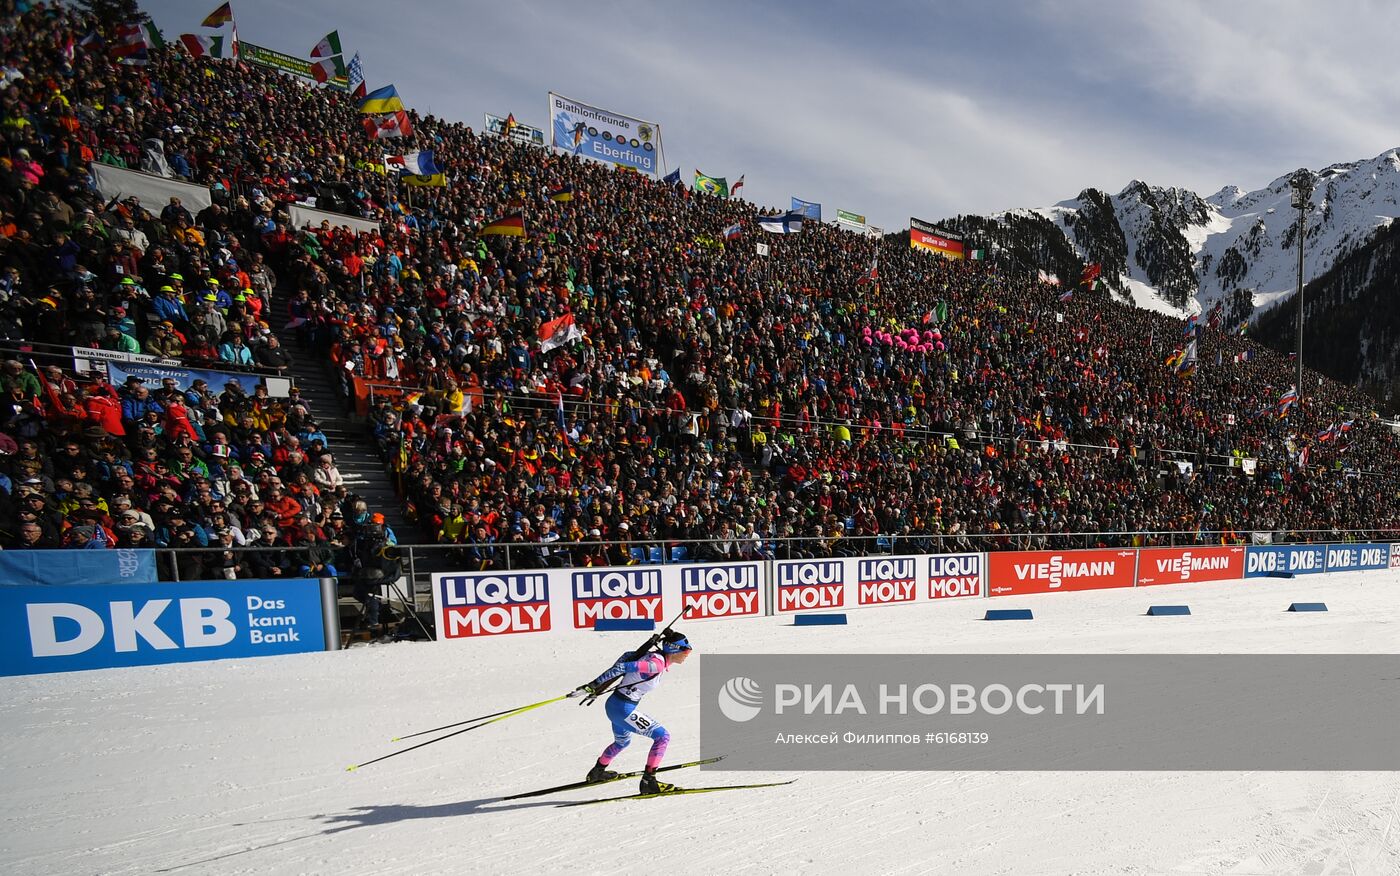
<point x="167" y="306"/>
<point x="138" y="404"/>
<point x="236" y="353"/>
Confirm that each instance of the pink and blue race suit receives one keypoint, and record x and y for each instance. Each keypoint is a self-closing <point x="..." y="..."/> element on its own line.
<point x="638" y="678"/>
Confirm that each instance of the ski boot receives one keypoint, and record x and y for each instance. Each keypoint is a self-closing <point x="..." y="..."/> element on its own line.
<point x="650" y="785"/>
<point x="600" y="773"/>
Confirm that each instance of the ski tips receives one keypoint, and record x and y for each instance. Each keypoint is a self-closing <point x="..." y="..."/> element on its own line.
<point x="397" y="739"/>
<point x="351" y="769"/>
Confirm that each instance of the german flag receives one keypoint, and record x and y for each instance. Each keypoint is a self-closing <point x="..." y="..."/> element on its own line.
<point x="563" y="194"/>
<point x="219" y="17"/>
<point x="506" y="226"/>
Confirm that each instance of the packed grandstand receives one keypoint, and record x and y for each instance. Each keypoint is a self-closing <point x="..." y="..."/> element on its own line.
<point x="709" y="400"/>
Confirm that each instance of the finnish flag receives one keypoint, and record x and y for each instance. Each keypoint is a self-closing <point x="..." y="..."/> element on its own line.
<point x="787" y="223"/>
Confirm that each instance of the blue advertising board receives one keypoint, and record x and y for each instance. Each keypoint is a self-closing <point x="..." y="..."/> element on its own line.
<point x="809" y="209"/>
<point x="118" y="372"/>
<point x="69" y="567"/>
<point x="61" y="629"/>
<point x="594" y="132"/>
<point x="1354" y="557"/>
<point x="1301" y="559"/>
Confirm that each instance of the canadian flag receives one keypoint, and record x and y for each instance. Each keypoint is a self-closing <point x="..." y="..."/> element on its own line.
<point x="390" y="125"/>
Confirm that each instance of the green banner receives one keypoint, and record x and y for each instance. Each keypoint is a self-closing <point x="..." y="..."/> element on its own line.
<point x="255" y="54"/>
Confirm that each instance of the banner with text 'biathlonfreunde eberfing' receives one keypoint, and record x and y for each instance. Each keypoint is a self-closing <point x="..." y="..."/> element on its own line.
<point x="604" y="135"/>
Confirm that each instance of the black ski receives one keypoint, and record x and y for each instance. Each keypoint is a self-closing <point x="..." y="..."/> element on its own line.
<point x="677" y="792"/>
<point x="620" y="776"/>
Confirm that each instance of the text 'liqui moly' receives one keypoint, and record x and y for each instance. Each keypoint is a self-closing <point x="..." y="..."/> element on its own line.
<point x="886" y="580"/>
<point x="616" y="594"/>
<point x="490" y="605"/>
<point x="954" y="575"/>
<point x="810" y="584"/>
<point x="719" y="591"/>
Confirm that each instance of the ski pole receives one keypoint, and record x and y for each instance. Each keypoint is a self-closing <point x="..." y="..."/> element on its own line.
<point x="512" y="713"/>
<point x="457" y="724"/>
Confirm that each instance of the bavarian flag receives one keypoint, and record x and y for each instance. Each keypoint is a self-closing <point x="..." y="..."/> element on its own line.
<point x="506" y="226"/>
<point x="711" y="185"/>
<point x="563" y="194"/>
<point x="382" y="100"/>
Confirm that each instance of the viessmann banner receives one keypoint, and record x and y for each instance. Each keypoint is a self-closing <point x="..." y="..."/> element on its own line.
<point x="1189" y="564"/>
<point x="1023" y="572"/>
<point x="583" y="129"/>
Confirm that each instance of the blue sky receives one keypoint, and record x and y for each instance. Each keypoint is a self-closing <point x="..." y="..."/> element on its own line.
<point x="901" y="108"/>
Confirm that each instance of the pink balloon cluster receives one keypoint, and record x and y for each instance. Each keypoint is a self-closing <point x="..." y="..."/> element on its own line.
<point x="906" y="340"/>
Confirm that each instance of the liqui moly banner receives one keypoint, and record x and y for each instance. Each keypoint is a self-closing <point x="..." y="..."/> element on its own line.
<point x="955" y="575"/>
<point x="1273" y="560"/>
<point x="887" y="580"/>
<point x="1189" y="564"/>
<point x="728" y="590"/>
<point x="1355" y="557"/>
<point x="810" y="585"/>
<point x="491" y="604"/>
<point x="1395" y="556"/>
<point x="1017" y="573"/>
<point x="632" y="593"/>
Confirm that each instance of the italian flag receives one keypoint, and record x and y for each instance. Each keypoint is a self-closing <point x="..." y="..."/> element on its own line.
<point x="200" y="46"/>
<point x="326" y="69"/>
<point x="329" y="46"/>
<point x="205" y="46"/>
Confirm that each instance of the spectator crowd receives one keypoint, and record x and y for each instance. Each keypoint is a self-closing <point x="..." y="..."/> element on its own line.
<point x="710" y="399"/>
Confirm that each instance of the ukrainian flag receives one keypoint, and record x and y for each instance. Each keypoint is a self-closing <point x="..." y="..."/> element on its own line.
<point x="432" y="180"/>
<point x="563" y="194"/>
<point x="382" y="100"/>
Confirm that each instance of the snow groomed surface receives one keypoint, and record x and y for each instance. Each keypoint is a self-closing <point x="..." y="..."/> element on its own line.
<point x="239" y="766"/>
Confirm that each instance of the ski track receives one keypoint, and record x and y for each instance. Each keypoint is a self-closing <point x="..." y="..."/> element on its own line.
<point x="239" y="767"/>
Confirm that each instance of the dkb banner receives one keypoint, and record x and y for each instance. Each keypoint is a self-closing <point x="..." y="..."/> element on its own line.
<point x="1278" y="560"/>
<point x="60" y="629"/>
<point x="1049" y="712"/>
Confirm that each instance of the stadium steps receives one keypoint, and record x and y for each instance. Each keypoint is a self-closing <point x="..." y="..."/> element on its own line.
<point x="356" y="456"/>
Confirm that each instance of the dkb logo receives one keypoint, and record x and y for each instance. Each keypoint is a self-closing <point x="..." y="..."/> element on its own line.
<point x="741" y="699"/>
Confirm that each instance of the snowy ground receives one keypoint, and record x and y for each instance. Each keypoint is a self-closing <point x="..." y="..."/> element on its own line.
<point x="239" y="767"/>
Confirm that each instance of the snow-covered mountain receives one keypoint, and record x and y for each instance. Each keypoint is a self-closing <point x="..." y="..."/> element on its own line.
<point x="1172" y="250"/>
